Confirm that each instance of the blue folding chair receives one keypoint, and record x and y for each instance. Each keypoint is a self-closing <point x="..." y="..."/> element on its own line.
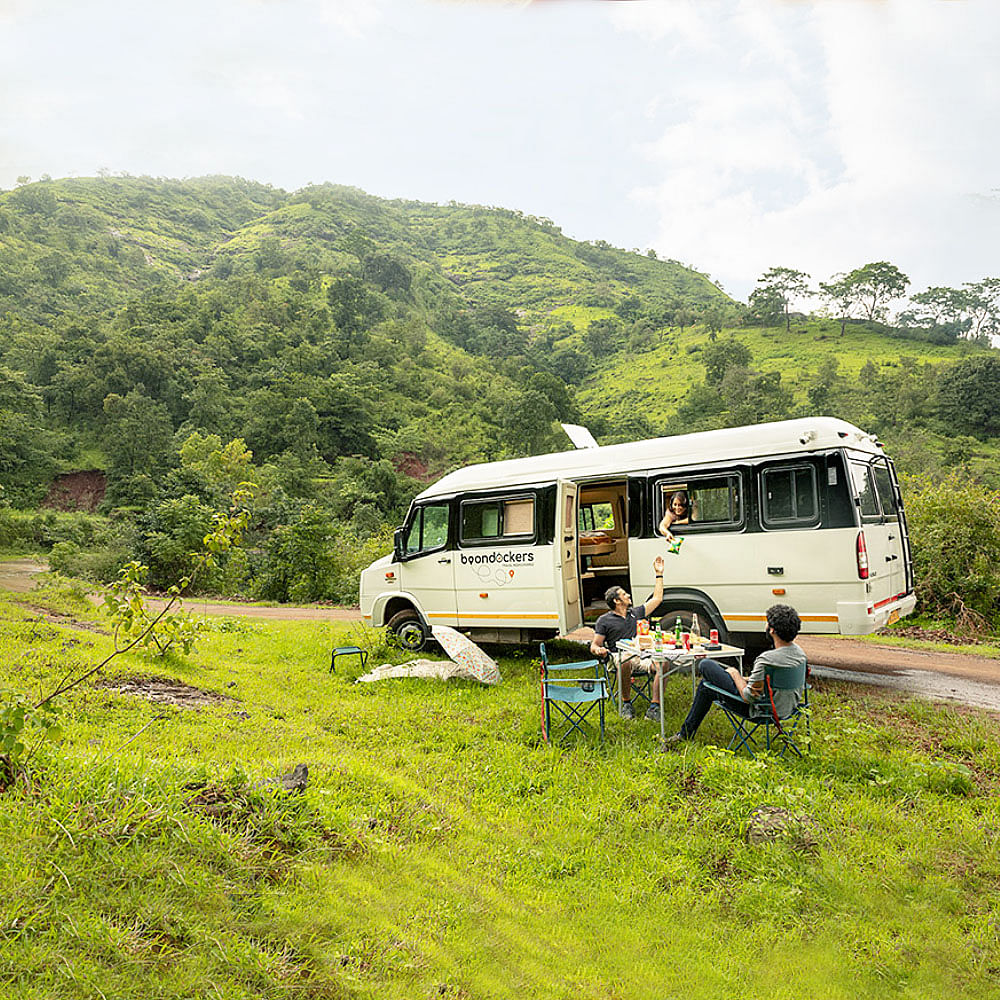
<point x="748" y="718"/>
<point x="573" y="698"/>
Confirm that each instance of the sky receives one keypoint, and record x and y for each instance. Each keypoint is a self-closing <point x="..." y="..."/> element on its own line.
<point x="731" y="135"/>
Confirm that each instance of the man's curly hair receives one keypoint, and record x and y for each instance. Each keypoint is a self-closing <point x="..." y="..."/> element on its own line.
<point x="785" y="621"/>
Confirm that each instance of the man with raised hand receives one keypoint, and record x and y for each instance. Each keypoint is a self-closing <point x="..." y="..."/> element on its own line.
<point x="620" y="623"/>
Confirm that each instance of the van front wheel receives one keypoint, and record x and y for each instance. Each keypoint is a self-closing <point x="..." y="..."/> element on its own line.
<point x="410" y="630"/>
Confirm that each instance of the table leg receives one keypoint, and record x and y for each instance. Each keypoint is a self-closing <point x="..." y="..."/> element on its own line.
<point x="659" y="680"/>
<point x="618" y="667"/>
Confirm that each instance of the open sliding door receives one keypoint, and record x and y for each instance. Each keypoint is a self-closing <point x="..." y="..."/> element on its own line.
<point x="567" y="559"/>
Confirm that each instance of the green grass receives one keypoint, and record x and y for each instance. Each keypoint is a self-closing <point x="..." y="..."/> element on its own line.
<point x="442" y="850"/>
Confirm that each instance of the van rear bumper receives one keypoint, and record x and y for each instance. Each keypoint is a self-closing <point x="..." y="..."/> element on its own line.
<point x="862" y="618"/>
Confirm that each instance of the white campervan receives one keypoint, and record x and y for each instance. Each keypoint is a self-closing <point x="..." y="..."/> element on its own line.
<point x="803" y="512"/>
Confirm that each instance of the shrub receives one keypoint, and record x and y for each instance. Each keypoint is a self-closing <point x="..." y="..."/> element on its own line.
<point x="955" y="537"/>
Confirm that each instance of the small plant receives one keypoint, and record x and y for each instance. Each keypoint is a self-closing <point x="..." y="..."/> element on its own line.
<point x="24" y="728"/>
<point x="135" y="625"/>
<point x="376" y="642"/>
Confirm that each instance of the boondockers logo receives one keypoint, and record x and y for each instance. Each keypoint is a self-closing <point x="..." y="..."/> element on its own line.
<point x="498" y="557"/>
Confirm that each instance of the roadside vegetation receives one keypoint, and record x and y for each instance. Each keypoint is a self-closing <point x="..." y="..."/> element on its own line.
<point x="440" y="849"/>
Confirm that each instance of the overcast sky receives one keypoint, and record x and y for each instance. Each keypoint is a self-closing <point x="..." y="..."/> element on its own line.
<point x="732" y="135"/>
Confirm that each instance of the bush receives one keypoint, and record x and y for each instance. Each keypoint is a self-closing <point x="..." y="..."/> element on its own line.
<point x="22" y="529"/>
<point x="955" y="537"/>
<point x="315" y="559"/>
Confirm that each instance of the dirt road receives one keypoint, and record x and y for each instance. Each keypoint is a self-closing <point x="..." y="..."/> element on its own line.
<point x="970" y="680"/>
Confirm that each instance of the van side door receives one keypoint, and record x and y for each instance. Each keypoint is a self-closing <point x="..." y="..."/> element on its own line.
<point x="427" y="569"/>
<point x="876" y="533"/>
<point x="896" y="563"/>
<point x="567" y="582"/>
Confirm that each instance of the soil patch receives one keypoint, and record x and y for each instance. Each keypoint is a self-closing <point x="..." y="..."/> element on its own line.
<point x="58" y="618"/>
<point x="163" y="691"/>
<point x="77" y="491"/>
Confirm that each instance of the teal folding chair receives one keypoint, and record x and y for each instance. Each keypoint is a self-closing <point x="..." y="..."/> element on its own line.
<point x="572" y="698"/>
<point x="749" y="718"/>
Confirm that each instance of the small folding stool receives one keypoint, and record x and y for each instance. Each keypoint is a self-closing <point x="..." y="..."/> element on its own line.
<point x="348" y="651"/>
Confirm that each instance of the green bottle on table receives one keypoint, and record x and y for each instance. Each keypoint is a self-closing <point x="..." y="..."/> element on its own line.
<point x="678" y="628"/>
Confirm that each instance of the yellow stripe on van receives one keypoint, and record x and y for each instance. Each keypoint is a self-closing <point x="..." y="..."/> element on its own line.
<point x="763" y="618"/>
<point x="507" y="616"/>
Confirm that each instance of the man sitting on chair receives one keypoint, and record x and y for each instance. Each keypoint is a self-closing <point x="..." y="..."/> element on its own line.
<point x="620" y="623"/>
<point x="783" y="624"/>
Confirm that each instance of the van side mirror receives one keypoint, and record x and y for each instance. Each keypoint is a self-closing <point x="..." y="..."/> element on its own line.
<point x="397" y="545"/>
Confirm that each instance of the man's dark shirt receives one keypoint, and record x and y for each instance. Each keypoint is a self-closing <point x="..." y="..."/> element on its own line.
<point x="613" y="627"/>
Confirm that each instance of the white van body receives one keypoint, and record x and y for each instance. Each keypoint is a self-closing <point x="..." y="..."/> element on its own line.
<point x="804" y="512"/>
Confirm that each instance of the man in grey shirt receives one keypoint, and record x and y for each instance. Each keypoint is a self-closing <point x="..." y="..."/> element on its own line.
<point x="783" y="624"/>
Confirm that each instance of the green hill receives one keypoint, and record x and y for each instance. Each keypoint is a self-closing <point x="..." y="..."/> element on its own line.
<point x="353" y="343"/>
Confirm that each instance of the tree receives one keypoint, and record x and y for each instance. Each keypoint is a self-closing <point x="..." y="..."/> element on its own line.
<point x="842" y="297"/>
<point x="984" y="307"/>
<point x="138" y="440"/>
<point x="752" y="397"/>
<point x="765" y="307"/>
<point x="875" y="285"/>
<point x="720" y="356"/>
<point x="943" y="305"/>
<point x="604" y="336"/>
<point x="967" y="395"/>
<point x="786" y="283"/>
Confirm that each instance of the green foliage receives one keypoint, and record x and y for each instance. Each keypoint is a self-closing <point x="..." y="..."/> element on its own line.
<point x="968" y="394"/>
<point x="24" y="729"/>
<point x="955" y="537"/>
<point x="135" y="624"/>
<point x="720" y="356"/>
<point x="312" y="558"/>
<point x="780" y="284"/>
<point x="42" y="529"/>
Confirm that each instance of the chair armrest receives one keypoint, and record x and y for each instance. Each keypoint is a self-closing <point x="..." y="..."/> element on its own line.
<point x="722" y="693"/>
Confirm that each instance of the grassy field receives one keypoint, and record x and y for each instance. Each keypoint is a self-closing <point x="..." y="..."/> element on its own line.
<point x="441" y="850"/>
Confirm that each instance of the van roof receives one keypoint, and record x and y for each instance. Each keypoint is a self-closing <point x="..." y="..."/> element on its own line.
<point x="729" y="444"/>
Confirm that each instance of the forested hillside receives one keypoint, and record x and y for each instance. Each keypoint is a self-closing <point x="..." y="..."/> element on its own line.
<point x="335" y="348"/>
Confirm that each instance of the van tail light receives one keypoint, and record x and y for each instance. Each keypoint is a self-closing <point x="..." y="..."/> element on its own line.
<point x="862" y="557"/>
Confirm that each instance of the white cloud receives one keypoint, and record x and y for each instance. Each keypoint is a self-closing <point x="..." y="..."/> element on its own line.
<point x="845" y="133"/>
<point x="354" y="17"/>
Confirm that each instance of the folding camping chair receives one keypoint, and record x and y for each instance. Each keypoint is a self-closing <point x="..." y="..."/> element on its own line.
<point x="747" y="718"/>
<point x="573" y="698"/>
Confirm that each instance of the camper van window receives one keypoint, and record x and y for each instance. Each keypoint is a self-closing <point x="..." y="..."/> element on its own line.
<point x="596" y="517"/>
<point x="883" y="486"/>
<point x="864" y="490"/>
<point x="714" y="502"/>
<point x="428" y="530"/>
<point x="492" y="520"/>
<point x="789" y="496"/>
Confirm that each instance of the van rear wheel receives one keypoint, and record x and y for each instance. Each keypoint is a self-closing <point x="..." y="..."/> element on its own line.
<point x="410" y="630"/>
<point x="669" y="618"/>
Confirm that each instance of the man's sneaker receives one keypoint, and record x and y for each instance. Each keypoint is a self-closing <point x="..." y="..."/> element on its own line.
<point x="627" y="712"/>
<point x="653" y="712"/>
<point x="673" y="742"/>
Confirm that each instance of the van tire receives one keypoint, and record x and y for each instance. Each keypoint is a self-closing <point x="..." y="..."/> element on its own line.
<point x="669" y="616"/>
<point x="411" y="632"/>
